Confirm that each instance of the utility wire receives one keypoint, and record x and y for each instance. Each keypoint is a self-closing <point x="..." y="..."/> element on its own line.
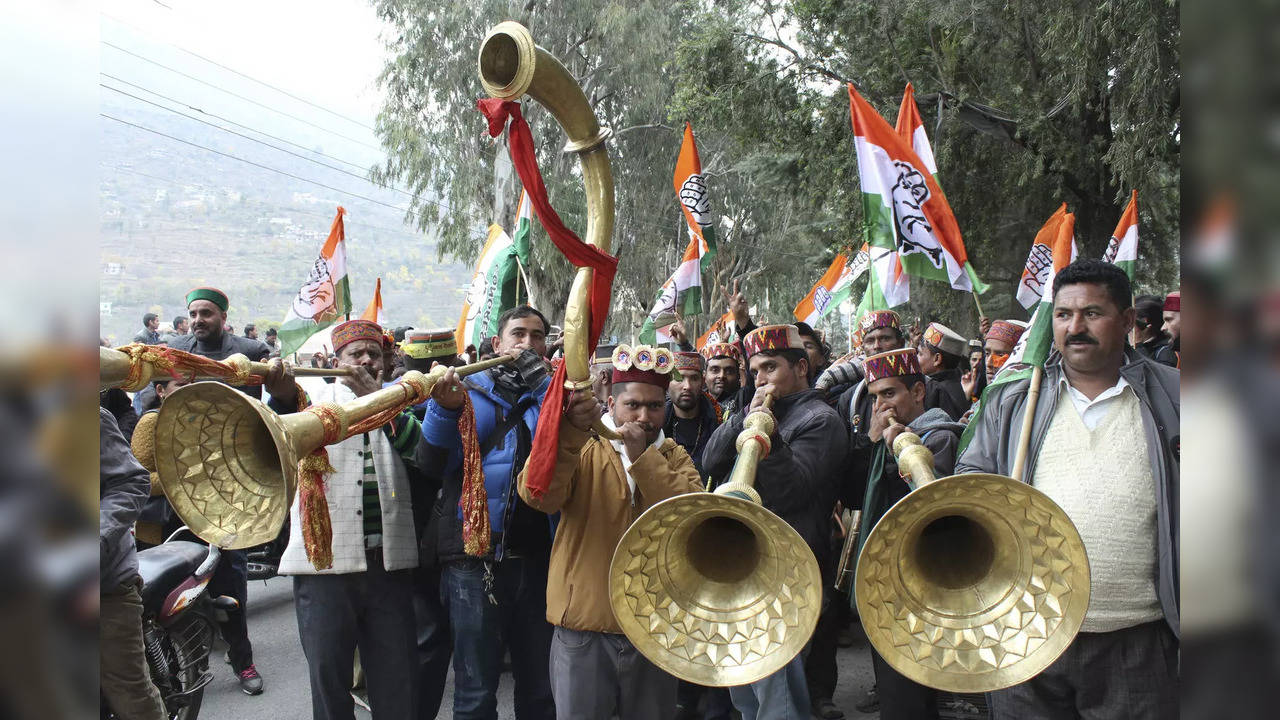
<point x="237" y="95"/>
<point x="263" y="83"/>
<point x="253" y="139"/>
<point x="215" y="116"/>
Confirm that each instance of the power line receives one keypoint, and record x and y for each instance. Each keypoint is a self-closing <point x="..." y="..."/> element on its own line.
<point x="259" y="165"/>
<point x="215" y="116"/>
<point x="253" y="139"/>
<point x="263" y="83"/>
<point x="237" y="95"/>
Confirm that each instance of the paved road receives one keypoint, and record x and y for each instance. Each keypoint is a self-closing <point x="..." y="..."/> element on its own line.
<point x="287" y="696"/>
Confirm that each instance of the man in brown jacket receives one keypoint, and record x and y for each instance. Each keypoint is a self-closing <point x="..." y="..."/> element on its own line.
<point x="599" y="488"/>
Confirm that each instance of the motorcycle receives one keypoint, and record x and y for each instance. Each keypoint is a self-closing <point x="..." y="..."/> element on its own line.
<point x="263" y="561"/>
<point x="178" y="621"/>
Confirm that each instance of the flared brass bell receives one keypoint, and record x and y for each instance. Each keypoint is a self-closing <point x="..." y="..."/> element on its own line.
<point x="712" y="587"/>
<point x="970" y="583"/>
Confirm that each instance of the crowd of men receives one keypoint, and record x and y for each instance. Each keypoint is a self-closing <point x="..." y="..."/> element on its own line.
<point x="417" y="581"/>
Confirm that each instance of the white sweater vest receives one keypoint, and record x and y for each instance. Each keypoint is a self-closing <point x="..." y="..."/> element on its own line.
<point x="1102" y="479"/>
<point x="343" y="490"/>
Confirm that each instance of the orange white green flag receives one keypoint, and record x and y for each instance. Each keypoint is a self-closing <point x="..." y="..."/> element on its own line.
<point x="691" y="189"/>
<point x="492" y="289"/>
<point x="324" y="296"/>
<point x="373" y="311"/>
<point x="1122" y="249"/>
<point x="680" y="295"/>
<point x="718" y="332"/>
<point x="1040" y="267"/>
<point x="903" y="207"/>
<point x="911" y="128"/>
<point x="834" y="287"/>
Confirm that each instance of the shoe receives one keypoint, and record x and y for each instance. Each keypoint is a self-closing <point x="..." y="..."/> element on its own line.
<point x="827" y="710"/>
<point x="250" y="681"/>
<point x="870" y="703"/>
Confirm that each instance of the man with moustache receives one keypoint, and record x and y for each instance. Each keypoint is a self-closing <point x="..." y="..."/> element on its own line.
<point x="797" y="480"/>
<point x="690" y="414"/>
<point x="207" y="311"/>
<point x="364" y="598"/>
<point x="1105" y="447"/>
<point x="599" y="488"/>
<point x="724" y="374"/>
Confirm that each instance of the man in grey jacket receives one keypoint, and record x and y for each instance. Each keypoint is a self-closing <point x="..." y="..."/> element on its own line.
<point x="1105" y="447"/>
<point x="123" y="488"/>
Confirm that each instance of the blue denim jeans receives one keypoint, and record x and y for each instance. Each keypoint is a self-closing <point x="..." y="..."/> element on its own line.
<point x="515" y="617"/>
<point x="783" y="695"/>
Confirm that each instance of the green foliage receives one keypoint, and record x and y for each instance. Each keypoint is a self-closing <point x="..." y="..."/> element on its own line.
<point x="1027" y="105"/>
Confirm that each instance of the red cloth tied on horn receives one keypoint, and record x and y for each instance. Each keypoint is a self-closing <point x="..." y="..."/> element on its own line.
<point x="542" y="458"/>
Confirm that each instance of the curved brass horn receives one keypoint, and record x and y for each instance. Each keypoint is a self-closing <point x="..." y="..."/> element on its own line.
<point x="511" y="66"/>
<point x="134" y="372"/>
<point x="970" y="583"/>
<point x="712" y="587"/>
<point x="229" y="464"/>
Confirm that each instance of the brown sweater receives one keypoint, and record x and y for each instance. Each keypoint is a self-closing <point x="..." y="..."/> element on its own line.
<point x="590" y="491"/>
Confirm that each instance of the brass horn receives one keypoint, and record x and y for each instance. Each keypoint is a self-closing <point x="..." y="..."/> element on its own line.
<point x="132" y="372"/>
<point x="712" y="587"/>
<point x="970" y="583"/>
<point x="229" y="464"/>
<point x="511" y="66"/>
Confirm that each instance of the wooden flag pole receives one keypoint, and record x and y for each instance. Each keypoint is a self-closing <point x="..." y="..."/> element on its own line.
<point x="978" y="303"/>
<point x="1024" y="438"/>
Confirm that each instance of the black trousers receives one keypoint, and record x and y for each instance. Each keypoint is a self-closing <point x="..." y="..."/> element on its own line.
<point x="435" y="640"/>
<point x="231" y="578"/>
<point x="900" y="698"/>
<point x="372" y="611"/>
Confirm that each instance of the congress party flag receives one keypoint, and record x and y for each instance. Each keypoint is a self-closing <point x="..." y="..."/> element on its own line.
<point x="910" y="127"/>
<point x="373" y="311"/>
<point x="1040" y="266"/>
<point x="718" y="332"/>
<point x="492" y="290"/>
<point x="834" y="287"/>
<point x="524" y="227"/>
<point x="691" y="189"/>
<point x="324" y="296"/>
<point x="1123" y="246"/>
<point x="904" y="208"/>
<point x="680" y="295"/>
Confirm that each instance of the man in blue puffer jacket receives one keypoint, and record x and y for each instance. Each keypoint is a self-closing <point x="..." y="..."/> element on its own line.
<point x="500" y="599"/>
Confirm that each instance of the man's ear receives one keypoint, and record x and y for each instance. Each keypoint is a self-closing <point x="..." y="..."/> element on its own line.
<point x="496" y="343"/>
<point x="610" y="403"/>
<point x="918" y="391"/>
<point x="1130" y="318"/>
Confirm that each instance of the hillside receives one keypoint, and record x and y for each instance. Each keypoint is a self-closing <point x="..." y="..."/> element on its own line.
<point x="176" y="216"/>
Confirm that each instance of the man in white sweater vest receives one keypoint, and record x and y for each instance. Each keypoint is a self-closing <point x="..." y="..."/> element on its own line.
<point x="1105" y="447"/>
<point x="365" y="599"/>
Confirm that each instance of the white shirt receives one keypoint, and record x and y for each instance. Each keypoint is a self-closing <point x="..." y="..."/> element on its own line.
<point x="1092" y="411"/>
<point x="622" y="453"/>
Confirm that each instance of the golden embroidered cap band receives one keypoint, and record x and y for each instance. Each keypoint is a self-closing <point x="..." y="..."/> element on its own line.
<point x="970" y="583"/>
<point x="228" y="463"/>
<point x="712" y="587"/>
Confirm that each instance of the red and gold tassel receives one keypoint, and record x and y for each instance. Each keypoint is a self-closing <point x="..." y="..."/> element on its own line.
<point x="475" y="499"/>
<point x="313" y="509"/>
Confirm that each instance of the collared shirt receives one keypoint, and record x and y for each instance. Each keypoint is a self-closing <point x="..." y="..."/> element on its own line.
<point x="1093" y="411"/>
<point x="621" y="449"/>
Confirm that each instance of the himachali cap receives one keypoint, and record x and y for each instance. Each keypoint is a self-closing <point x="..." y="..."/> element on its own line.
<point x="352" y="330"/>
<point x="712" y="351"/>
<point x="427" y="344"/>
<point x="1006" y="331"/>
<point x="689" y="362"/>
<point x="876" y="319"/>
<point x="213" y="295"/>
<point x="1173" y="302"/>
<point x="773" y="337"/>
<point x="655" y="366"/>
<point x="945" y="339"/>
<point x="603" y="356"/>
<point x="895" y="363"/>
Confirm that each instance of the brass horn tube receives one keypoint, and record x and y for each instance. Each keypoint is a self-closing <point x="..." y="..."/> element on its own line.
<point x="114" y="367"/>
<point x="511" y="66"/>
<point x="753" y="446"/>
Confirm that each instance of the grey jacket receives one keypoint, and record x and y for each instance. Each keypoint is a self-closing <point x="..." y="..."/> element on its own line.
<point x="798" y="479"/>
<point x="124" y="487"/>
<point x="995" y="444"/>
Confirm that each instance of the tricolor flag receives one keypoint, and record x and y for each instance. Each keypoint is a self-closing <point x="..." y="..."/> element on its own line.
<point x="1123" y="247"/>
<point x="904" y="208"/>
<point x="888" y="285"/>
<point x="680" y="295"/>
<point x="911" y="128"/>
<point x="1040" y="266"/>
<point x="523" y="239"/>
<point x="718" y="332"/>
<point x="691" y="189"/>
<point x="374" y="309"/>
<point x="834" y="287"/>
<point x="324" y="297"/>
<point x="1033" y="347"/>
<point x="493" y="289"/>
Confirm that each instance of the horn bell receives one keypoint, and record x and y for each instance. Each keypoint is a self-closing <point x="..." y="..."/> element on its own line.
<point x="972" y="583"/>
<point x="228" y="463"/>
<point x="715" y="590"/>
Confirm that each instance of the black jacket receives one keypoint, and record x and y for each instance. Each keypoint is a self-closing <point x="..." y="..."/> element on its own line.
<point x="123" y="488"/>
<point x="707" y="424"/>
<point x="798" y="479"/>
<point x="255" y="350"/>
<point x="943" y="390"/>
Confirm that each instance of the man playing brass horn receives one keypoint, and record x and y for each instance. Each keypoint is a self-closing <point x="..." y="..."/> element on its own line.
<point x="1105" y="447"/>
<point x="796" y="481"/>
<point x="599" y="488"/>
